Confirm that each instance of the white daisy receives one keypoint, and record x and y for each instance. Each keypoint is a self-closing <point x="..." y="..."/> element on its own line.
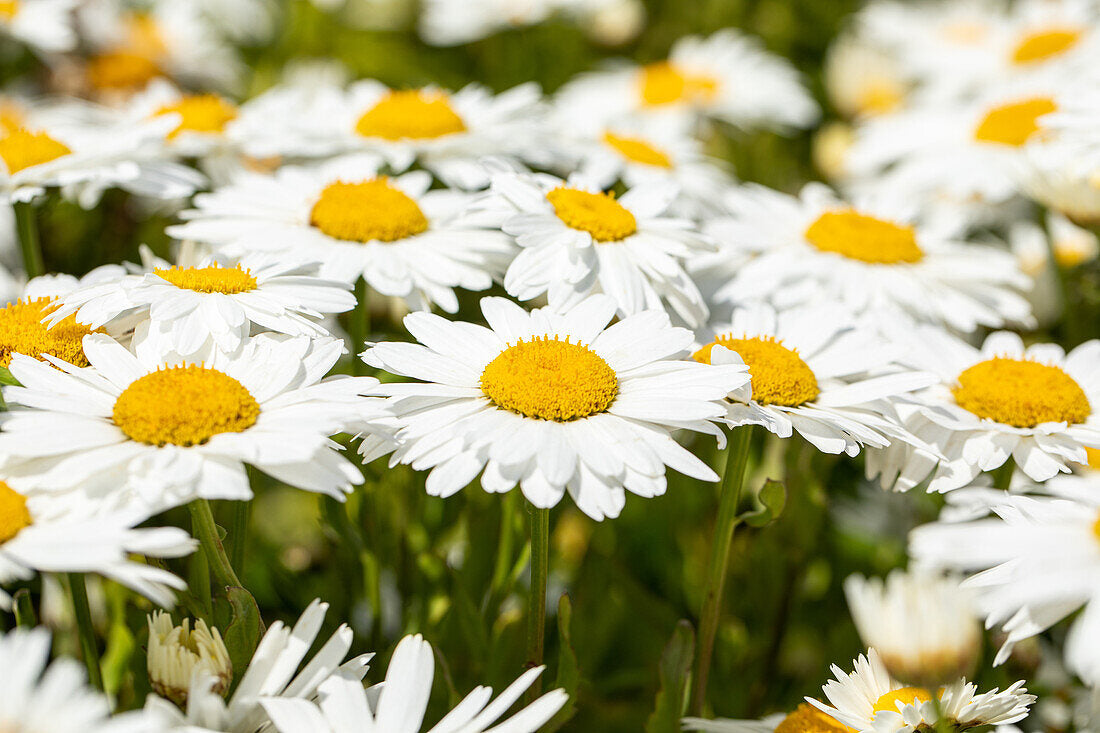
<point x="46" y="26"/>
<point x="177" y="653"/>
<point x="871" y="255"/>
<point x="454" y="22"/>
<point x="1032" y="245"/>
<point x="1034" y="564"/>
<point x="273" y="673"/>
<point x="55" y="696"/>
<point x="200" y="304"/>
<point x="403" y="239"/>
<point x="553" y="401"/>
<point x="863" y="80"/>
<point x="812" y="371"/>
<point x="398" y="705"/>
<point x="577" y="240"/>
<point x="869" y="700"/>
<point x="1004" y="401"/>
<point x="205" y="123"/>
<point x="144" y="432"/>
<point x="31" y="541"/>
<point x="803" y="719"/>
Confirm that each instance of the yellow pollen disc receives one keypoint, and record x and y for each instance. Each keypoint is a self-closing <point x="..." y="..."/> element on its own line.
<point x="599" y="214"/>
<point x="1093" y="460"/>
<point x="22" y="332"/>
<point x="8" y="9"/>
<point x="549" y="379"/>
<point x="22" y="149"/>
<point x="14" y="516"/>
<point x="184" y="405"/>
<point x="779" y="376"/>
<point x="808" y="719"/>
<point x="410" y="114"/>
<point x="213" y="279"/>
<point x="200" y="113"/>
<point x="664" y="83"/>
<point x="1045" y="44"/>
<point x="1021" y="393"/>
<point x="637" y="150"/>
<point x="866" y="238"/>
<point x="368" y="211"/>
<point x="1014" y="123"/>
<point x="121" y="70"/>
<point x="906" y="695"/>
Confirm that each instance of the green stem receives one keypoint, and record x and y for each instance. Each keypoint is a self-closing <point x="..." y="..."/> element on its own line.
<point x="206" y="532"/>
<point x="83" y="614"/>
<point x="536" y="605"/>
<point x="26" y="223"/>
<point x="359" y="327"/>
<point x="733" y="480"/>
<point x="1002" y="477"/>
<point x="24" y="609"/>
<point x="505" y="544"/>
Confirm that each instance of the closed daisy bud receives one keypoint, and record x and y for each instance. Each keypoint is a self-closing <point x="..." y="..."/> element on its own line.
<point x="923" y="625"/>
<point x="177" y="653"/>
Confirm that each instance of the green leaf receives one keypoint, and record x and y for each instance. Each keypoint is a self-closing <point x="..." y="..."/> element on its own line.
<point x="675" y="672"/>
<point x="569" y="671"/>
<point x="6" y="379"/>
<point x="121" y="644"/>
<point x="243" y="633"/>
<point x="772" y="499"/>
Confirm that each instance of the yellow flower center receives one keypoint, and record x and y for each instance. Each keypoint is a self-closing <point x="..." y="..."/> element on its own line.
<point x="8" y="9"/>
<point x="1093" y="459"/>
<point x="200" y="113"/>
<point x="906" y="695"/>
<point x="22" y="332"/>
<point x="14" y="516"/>
<point x="184" y="405"/>
<point x="1021" y="393"/>
<point x="12" y="117"/>
<point x="599" y="214"/>
<point x="664" y="83"/>
<point x="866" y="238"/>
<point x="368" y="211"/>
<point x="213" y="279"/>
<point x="121" y="70"/>
<point x="22" y="149"/>
<point x="779" y="376"/>
<point x="549" y="379"/>
<point x="410" y="114"/>
<point x="880" y="96"/>
<point x="807" y="719"/>
<point x="1045" y="44"/>
<point x="637" y="150"/>
<point x="1014" y="123"/>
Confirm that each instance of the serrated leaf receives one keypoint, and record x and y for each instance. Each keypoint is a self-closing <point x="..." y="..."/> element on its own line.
<point x="772" y="499"/>
<point x="243" y="633"/>
<point x="675" y="672"/>
<point x="569" y="671"/>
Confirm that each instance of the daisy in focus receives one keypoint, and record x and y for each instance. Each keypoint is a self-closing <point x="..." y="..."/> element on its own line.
<point x="554" y="401"/>
<point x="142" y="432"/>
<point x="176" y="654"/>
<point x="398" y="704"/>
<point x="577" y="240"/>
<point x="812" y="372"/>
<point x="46" y="26"/>
<point x="401" y="238"/>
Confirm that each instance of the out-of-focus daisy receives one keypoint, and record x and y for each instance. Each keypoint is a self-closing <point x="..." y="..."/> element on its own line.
<point x="198" y="303"/>
<point x="1064" y="173"/>
<point x="204" y="122"/>
<point x="863" y="81"/>
<point x="803" y="719"/>
<point x="177" y="653"/>
<point x="453" y="22"/>
<point x="869" y="699"/>
<point x="870" y="255"/>
<point x="273" y="673"/>
<point x="143" y="432"/>
<point x="55" y="696"/>
<point x="46" y="26"/>
<point x="814" y="372"/>
<point x="578" y="240"/>
<point x="398" y="705"/>
<point x="1032" y="246"/>
<point x="726" y="76"/>
<point x="556" y="402"/>
<point x="924" y="626"/>
<point x="1034" y="564"/>
<point x="1004" y="401"/>
<point x="32" y="541"/>
<point x="403" y="239"/>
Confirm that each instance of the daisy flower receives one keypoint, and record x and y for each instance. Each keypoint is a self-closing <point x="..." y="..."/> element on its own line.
<point x="142" y="432"/>
<point x="403" y="239"/>
<point x="803" y="719"/>
<point x="32" y="541"/>
<point x="46" y="26"/>
<point x="398" y="705"/>
<point x="863" y="80"/>
<point x="273" y="673"/>
<point x="205" y="123"/>
<point x="199" y="304"/>
<point x="55" y="696"/>
<point x="869" y="699"/>
<point x="554" y="401"/>
<point x="454" y="22"/>
<point x="814" y="372"/>
<point x="726" y="76"/>
<point x="1033" y="564"/>
<point x="577" y="240"/>
<point x="1002" y="401"/>
<point x="871" y="255"/>
<point x="177" y="653"/>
